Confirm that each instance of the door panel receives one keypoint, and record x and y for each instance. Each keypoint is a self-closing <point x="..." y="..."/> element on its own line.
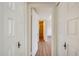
<point x="13" y="29"/>
<point x="68" y="29"/>
<point x="72" y="36"/>
<point x="73" y="29"/>
<point x="35" y="35"/>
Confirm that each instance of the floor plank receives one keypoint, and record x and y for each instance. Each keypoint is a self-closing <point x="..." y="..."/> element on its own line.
<point x="44" y="49"/>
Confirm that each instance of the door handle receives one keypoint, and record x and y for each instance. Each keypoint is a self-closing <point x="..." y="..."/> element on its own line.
<point x="65" y="45"/>
<point x="19" y="44"/>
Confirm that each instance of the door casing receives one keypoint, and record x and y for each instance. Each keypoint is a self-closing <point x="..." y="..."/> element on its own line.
<point x="54" y="36"/>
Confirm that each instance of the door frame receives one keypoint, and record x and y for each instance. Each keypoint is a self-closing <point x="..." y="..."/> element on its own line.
<point x="29" y="30"/>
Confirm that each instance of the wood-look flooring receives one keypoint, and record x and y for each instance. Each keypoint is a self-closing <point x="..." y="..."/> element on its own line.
<point x="44" y="49"/>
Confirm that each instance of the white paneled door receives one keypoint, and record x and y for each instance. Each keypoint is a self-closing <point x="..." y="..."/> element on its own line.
<point x="68" y="29"/>
<point x="14" y="42"/>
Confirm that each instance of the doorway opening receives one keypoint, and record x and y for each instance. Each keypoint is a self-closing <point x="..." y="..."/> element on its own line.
<point x="42" y="29"/>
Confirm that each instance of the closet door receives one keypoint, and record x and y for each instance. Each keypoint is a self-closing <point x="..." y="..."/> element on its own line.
<point x="14" y="42"/>
<point x="73" y="29"/>
<point x="68" y="29"/>
<point x="9" y="29"/>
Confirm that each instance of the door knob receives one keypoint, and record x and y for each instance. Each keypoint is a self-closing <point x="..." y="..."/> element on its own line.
<point x="19" y="44"/>
<point x="65" y="45"/>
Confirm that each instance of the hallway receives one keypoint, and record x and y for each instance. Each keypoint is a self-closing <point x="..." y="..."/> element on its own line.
<point x="41" y="27"/>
